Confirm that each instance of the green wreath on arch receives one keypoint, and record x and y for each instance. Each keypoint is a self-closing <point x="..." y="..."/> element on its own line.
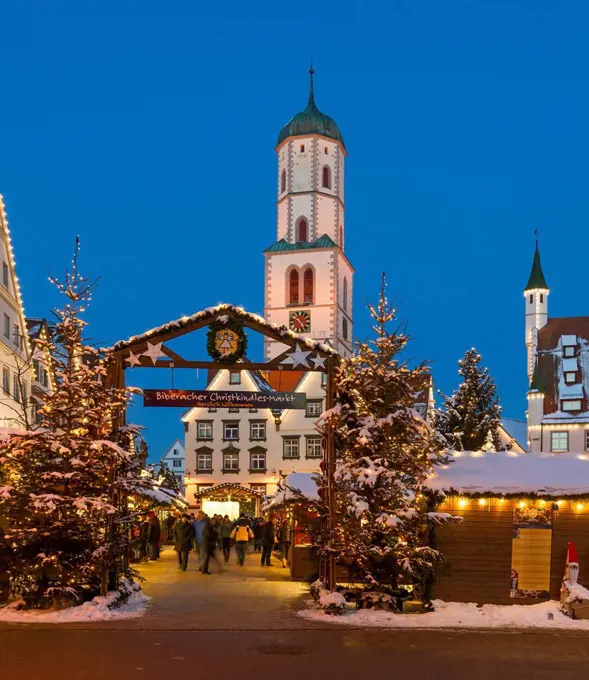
<point x="235" y="335"/>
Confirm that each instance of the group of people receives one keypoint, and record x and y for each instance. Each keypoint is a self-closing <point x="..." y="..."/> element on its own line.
<point x="146" y="536"/>
<point x="207" y="535"/>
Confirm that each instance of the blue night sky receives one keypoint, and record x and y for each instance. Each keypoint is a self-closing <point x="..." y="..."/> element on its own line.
<point x="149" y="129"/>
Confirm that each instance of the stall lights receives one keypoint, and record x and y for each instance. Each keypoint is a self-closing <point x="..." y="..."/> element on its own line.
<point x="579" y="505"/>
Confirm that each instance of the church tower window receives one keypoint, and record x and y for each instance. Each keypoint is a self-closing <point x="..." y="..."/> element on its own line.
<point x="308" y="285"/>
<point x="283" y="182"/>
<point x="293" y="287"/>
<point x="326" y="177"/>
<point x="345" y="294"/>
<point x="302" y="230"/>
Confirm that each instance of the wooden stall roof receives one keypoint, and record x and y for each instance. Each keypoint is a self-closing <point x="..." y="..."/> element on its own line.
<point x="221" y="491"/>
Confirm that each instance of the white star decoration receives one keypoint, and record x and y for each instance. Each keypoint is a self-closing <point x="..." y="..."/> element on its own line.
<point x="296" y="358"/>
<point x="318" y="362"/>
<point x="133" y="360"/>
<point x="154" y="352"/>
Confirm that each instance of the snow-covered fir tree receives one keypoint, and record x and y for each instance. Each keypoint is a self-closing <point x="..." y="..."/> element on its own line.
<point x="385" y="451"/>
<point x="470" y="418"/>
<point x="62" y="485"/>
<point x="167" y="479"/>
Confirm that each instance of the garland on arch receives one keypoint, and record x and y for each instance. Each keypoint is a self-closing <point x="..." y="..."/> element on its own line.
<point x="212" y="350"/>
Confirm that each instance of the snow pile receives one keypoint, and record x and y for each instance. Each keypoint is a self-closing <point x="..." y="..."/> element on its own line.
<point x="98" y="609"/>
<point x="327" y="599"/>
<point x="576" y="592"/>
<point x="296" y="487"/>
<point x="458" y="615"/>
<point x="502" y="472"/>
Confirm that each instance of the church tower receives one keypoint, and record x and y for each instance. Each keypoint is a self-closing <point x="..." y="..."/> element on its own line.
<point x="536" y="309"/>
<point x="308" y="278"/>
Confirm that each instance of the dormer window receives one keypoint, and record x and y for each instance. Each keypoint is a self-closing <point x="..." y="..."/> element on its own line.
<point x="570" y="378"/>
<point x="569" y="351"/>
<point x="571" y="405"/>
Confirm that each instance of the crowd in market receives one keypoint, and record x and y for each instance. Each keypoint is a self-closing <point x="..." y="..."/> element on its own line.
<point x="211" y="538"/>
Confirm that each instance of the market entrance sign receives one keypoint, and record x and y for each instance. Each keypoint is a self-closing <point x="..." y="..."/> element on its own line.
<point x="224" y="399"/>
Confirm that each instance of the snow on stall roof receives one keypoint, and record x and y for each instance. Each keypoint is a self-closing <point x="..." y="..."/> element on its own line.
<point x="297" y="486"/>
<point x="502" y="472"/>
<point x="215" y="312"/>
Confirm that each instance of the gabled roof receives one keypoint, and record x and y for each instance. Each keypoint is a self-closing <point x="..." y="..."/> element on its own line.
<point x="187" y="324"/>
<point x="536" y="280"/>
<point x="324" y="241"/>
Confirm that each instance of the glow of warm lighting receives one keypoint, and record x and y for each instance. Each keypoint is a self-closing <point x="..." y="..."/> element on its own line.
<point x="579" y="506"/>
<point x="502" y="500"/>
<point x="481" y="501"/>
<point x="462" y="502"/>
<point x="521" y="504"/>
<point x="542" y="503"/>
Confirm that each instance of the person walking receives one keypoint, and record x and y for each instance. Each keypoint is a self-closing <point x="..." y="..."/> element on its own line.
<point x="199" y="527"/>
<point x="257" y="525"/>
<point x="209" y="545"/>
<point x="183" y="535"/>
<point x="284" y="540"/>
<point x="169" y="523"/>
<point x="143" y="532"/>
<point x="154" y="535"/>
<point x="268" y="539"/>
<point x="241" y="534"/>
<point x="225" y="529"/>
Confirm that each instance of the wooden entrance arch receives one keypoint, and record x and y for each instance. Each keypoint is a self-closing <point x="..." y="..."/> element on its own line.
<point x="148" y="350"/>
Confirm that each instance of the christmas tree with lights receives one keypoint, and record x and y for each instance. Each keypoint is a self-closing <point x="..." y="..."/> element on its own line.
<point x="385" y="450"/>
<point x="63" y="485"/>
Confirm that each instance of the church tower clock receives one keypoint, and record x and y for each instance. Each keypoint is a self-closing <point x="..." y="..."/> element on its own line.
<point x="308" y="278"/>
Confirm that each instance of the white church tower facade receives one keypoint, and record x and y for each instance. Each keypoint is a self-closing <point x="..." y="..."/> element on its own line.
<point x="308" y="278"/>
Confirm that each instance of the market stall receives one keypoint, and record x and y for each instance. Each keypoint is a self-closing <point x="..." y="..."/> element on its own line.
<point x="295" y="501"/>
<point x="520" y="511"/>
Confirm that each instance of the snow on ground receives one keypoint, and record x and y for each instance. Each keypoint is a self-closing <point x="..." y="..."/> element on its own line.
<point x="457" y="615"/>
<point x="95" y="610"/>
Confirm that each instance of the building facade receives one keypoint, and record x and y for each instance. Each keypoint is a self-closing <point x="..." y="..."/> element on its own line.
<point x="175" y="459"/>
<point x="309" y="289"/>
<point x="16" y="350"/>
<point x="558" y="372"/>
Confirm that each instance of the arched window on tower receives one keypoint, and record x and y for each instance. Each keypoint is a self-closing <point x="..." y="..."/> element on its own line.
<point x="293" y="287"/>
<point x="302" y="230"/>
<point x="283" y="182"/>
<point x="308" y="285"/>
<point x="345" y="294"/>
<point x="326" y="177"/>
<point x="341" y="237"/>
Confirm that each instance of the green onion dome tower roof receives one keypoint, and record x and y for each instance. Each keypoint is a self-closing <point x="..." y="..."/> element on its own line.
<point x="311" y="121"/>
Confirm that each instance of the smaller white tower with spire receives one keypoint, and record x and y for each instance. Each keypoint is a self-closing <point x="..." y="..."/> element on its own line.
<point x="536" y="309"/>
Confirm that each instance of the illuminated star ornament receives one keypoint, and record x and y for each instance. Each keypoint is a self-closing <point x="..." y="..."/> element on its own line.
<point x="154" y="352"/>
<point x="318" y="362"/>
<point x="133" y="360"/>
<point x="297" y="358"/>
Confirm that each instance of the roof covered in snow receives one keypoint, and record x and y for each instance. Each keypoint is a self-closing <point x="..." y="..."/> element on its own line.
<point x="506" y="473"/>
<point x="296" y="487"/>
<point x="563" y="374"/>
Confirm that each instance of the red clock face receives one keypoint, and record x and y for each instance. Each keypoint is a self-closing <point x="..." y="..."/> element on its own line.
<point x="300" y="322"/>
